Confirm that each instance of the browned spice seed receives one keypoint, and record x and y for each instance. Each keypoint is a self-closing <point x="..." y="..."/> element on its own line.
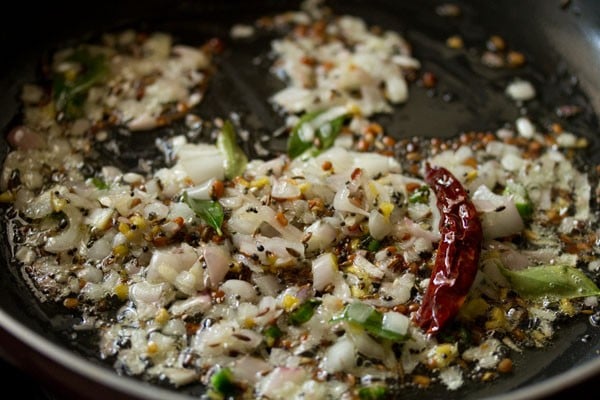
<point x="310" y="61"/>
<point x="356" y="173"/>
<point x="556" y="128"/>
<point x="388" y="141"/>
<point x="362" y="145"/>
<point x="327" y="65"/>
<point x="369" y="137"/>
<point x="515" y="59"/>
<point x="281" y="219"/>
<point x="401" y="308"/>
<point x="518" y="334"/>
<point x="412" y="186"/>
<point x="179" y="221"/>
<point x="217" y="189"/>
<point x="374" y="128"/>
<point x="471" y="162"/>
<point x="160" y="241"/>
<point x="505" y="366"/>
<point x="455" y="42"/>
<point x="429" y="80"/>
<point x="496" y="43"/>
<point x="414" y="156"/>
<point x="214" y="46"/>
<point x="182" y="107"/>
<point x="326" y="166"/>
<point x="421" y="381"/>
<point x="70" y="302"/>
<point x="218" y="296"/>
<point x="488" y="376"/>
<point x="191" y="328"/>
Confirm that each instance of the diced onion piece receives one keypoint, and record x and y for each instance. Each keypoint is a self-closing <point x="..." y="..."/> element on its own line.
<point x="249" y="369"/>
<point x="395" y="322"/>
<point x="201" y="162"/>
<point x="285" y="189"/>
<point x="525" y="127"/>
<point x="368" y="267"/>
<point x="69" y="238"/>
<point x="191" y="306"/>
<point x="342" y="202"/>
<point x="324" y="270"/>
<point x="339" y="357"/>
<point x="202" y="191"/>
<point x="322" y="234"/>
<point x="236" y="289"/>
<point x="379" y="226"/>
<point x="217" y="263"/>
<point x="24" y="138"/>
<point x="500" y="215"/>
<point x="520" y="90"/>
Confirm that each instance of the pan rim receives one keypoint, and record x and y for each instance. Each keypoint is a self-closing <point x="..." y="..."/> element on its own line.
<point x="125" y="385"/>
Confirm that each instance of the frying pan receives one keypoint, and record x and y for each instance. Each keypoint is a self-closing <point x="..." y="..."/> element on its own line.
<point x="560" y="39"/>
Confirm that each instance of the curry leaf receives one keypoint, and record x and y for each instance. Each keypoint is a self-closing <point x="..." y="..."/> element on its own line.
<point x="551" y="281"/>
<point x="323" y="137"/>
<point x="209" y="211"/>
<point x="235" y="158"/>
<point x="330" y="131"/>
<point x="70" y="88"/>
<point x="297" y="144"/>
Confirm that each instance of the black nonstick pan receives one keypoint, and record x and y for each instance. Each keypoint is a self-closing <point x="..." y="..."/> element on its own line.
<point x="560" y="39"/>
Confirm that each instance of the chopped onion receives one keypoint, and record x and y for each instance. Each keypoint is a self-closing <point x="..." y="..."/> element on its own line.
<point x="395" y="322"/>
<point x="285" y="189"/>
<point x="238" y="290"/>
<point x="281" y="381"/>
<point x="368" y="267"/>
<point x="521" y="90"/>
<point x="342" y="202"/>
<point x="379" y="226"/>
<point x="339" y="357"/>
<point x="324" y="270"/>
<point x="500" y="215"/>
<point x="202" y="191"/>
<point x="249" y="369"/>
<point x="365" y="344"/>
<point x="24" y="138"/>
<point x="191" y="306"/>
<point x="322" y="234"/>
<point x="70" y="237"/>
<point x="201" y="162"/>
<point x="217" y="263"/>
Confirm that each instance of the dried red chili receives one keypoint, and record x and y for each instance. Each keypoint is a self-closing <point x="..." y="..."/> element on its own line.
<point x="457" y="255"/>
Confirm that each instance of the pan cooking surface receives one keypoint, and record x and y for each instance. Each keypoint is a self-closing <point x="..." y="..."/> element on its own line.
<point x="469" y="97"/>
